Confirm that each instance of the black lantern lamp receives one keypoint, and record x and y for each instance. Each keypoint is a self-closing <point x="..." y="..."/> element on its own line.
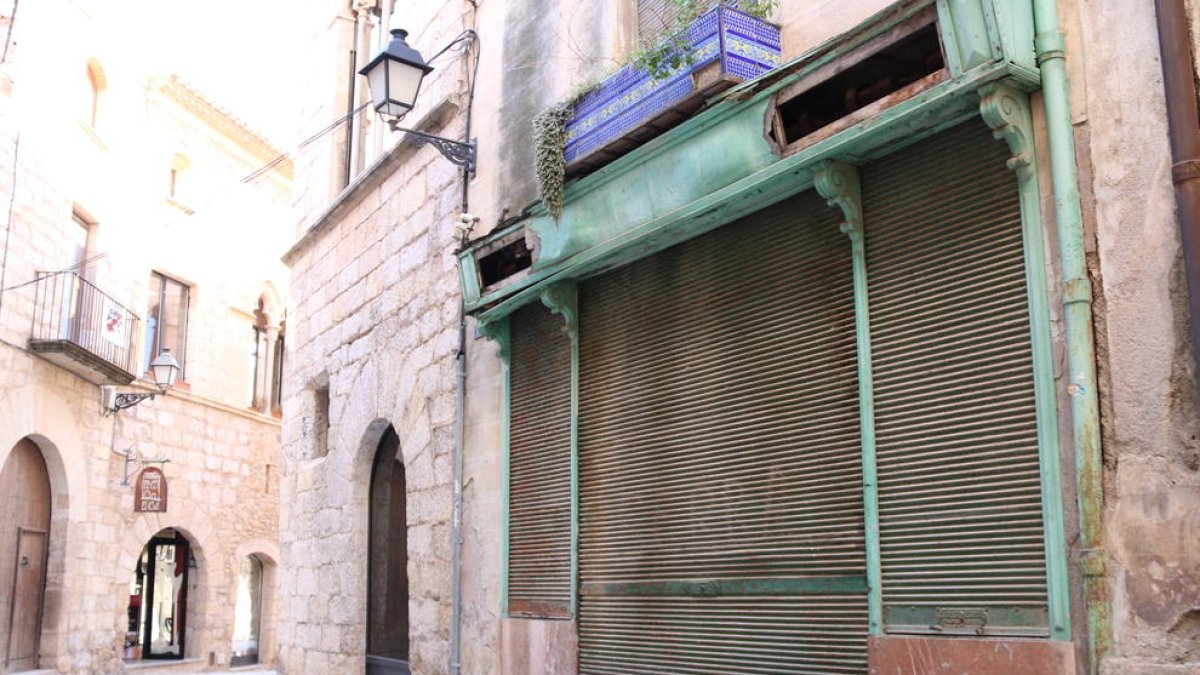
<point x="395" y="75"/>
<point x="394" y="78"/>
<point x="165" y="370"/>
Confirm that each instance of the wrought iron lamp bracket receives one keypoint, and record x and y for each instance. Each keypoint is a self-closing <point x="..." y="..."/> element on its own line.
<point x="132" y="458"/>
<point x="126" y="401"/>
<point x="459" y="153"/>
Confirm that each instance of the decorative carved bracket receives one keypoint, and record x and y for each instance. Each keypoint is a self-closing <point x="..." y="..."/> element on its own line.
<point x="839" y="184"/>
<point x="497" y="331"/>
<point x="562" y="299"/>
<point x="1006" y="110"/>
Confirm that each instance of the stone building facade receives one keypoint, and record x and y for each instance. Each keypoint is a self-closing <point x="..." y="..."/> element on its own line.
<point x="129" y="228"/>
<point x="376" y="299"/>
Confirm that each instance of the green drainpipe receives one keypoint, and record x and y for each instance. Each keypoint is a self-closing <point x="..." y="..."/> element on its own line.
<point x="1077" y="312"/>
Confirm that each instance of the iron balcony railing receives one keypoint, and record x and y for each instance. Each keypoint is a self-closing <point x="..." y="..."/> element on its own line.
<point x="71" y="315"/>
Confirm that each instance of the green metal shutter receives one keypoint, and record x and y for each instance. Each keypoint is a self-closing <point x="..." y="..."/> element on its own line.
<point x="956" y="432"/>
<point x="720" y="463"/>
<point x="539" y="527"/>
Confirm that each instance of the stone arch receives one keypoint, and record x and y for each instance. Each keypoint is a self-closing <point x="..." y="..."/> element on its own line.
<point x="267" y="553"/>
<point x="54" y="618"/>
<point x="68" y="479"/>
<point x="387" y="609"/>
<point x="270" y="299"/>
<point x="205" y="580"/>
<point x="368" y="446"/>
<point x="27" y="509"/>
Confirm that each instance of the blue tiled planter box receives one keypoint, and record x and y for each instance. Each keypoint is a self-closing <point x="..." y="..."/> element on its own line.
<point x="629" y="108"/>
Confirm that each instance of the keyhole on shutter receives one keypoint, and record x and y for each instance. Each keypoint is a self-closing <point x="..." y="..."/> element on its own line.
<point x="24" y="560"/>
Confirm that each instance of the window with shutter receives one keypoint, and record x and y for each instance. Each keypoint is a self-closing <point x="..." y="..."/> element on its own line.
<point x="539" y="524"/>
<point x="955" y="424"/>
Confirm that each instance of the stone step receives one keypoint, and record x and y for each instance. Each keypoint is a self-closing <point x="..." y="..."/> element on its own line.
<point x="187" y="667"/>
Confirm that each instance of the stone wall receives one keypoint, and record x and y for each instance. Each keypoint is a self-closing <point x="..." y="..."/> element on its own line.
<point x="1151" y="428"/>
<point x="376" y="305"/>
<point x="224" y="459"/>
<point x="223" y="478"/>
<point x="374" y="319"/>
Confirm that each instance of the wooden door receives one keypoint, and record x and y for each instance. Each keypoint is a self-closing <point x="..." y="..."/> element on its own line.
<point x="24" y="540"/>
<point x="29" y="582"/>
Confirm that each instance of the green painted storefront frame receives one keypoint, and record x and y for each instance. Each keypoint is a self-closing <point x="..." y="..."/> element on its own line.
<point x="614" y="216"/>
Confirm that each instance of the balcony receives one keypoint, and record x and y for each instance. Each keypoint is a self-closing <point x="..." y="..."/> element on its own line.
<point x="84" y="330"/>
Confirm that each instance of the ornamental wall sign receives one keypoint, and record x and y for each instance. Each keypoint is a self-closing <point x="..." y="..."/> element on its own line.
<point x="150" y="492"/>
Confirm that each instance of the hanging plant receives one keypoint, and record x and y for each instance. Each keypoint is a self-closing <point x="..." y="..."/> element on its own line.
<point x="549" y="140"/>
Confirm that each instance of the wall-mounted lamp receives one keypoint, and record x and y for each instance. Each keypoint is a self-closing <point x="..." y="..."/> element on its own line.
<point x="164" y="368"/>
<point x="394" y="77"/>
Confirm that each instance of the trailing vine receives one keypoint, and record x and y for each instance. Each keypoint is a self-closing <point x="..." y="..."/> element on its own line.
<point x="549" y="141"/>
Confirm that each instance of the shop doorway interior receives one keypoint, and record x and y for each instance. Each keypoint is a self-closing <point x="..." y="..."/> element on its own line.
<point x="158" y="599"/>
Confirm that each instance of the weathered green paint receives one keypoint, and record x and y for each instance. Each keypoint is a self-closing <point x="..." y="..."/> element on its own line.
<point x="1077" y="321"/>
<point x="966" y="41"/>
<point x="563" y="299"/>
<point x="599" y="215"/>
<point x="671" y="189"/>
<point x="849" y="585"/>
<point x="1013" y="23"/>
<point x="971" y="620"/>
<point x="497" y="331"/>
<point x="908" y="122"/>
<point x="1007" y="111"/>
<point x="839" y="183"/>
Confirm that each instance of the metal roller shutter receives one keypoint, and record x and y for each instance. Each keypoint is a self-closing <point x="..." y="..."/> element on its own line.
<point x="956" y="432"/>
<point x="539" y="528"/>
<point x="720" y="466"/>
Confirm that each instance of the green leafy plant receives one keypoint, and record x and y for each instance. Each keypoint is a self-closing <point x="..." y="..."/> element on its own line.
<point x="662" y="55"/>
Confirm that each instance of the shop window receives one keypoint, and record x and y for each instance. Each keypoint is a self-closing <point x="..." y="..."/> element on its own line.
<point x="157" y="609"/>
<point x="166" y="321"/>
<point x="539" y="544"/>
<point x="247" y="613"/>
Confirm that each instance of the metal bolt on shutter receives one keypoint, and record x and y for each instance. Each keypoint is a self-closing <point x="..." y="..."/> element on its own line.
<point x="720" y="462"/>
<point x="956" y="433"/>
<point x="539" y="528"/>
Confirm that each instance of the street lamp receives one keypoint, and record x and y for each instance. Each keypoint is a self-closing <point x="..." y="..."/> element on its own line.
<point x="394" y="77"/>
<point x="164" y="368"/>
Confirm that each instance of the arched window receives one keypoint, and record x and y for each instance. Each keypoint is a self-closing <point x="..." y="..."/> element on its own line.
<point x="98" y="82"/>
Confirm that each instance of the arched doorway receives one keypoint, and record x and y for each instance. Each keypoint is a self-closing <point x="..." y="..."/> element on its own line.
<point x="247" y="612"/>
<point x="24" y="545"/>
<point x="158" y="595"/>
<point x="387" y="585"/>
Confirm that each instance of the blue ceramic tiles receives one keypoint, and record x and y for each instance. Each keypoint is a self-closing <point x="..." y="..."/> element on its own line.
<point x="745" y="46"/>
